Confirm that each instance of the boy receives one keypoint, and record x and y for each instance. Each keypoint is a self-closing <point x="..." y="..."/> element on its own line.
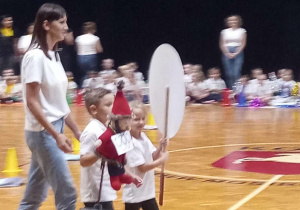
<point x="99" y="103"/>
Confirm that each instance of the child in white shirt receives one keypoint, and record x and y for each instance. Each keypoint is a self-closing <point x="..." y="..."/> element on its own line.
<point x="141" y="161"/>
<point x="287" y="83"/>
<point x="197" y="91"/>
<point x="261" y="90"/>
<point x="107" y="67"/>
<point x="72" y="86"/>
<point x="255" y="73"/>
<point x="99" y="103"/>
<point x="93" y="81"/>
<point x="215" y="84"/>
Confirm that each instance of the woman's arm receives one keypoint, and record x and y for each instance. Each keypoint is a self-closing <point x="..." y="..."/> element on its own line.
<point x="33" y="104"/>
<point x="99" y="48"/>
<point x="71" y="123"/>
<point x="222" y="47"/>
<point x="244" y="43"/>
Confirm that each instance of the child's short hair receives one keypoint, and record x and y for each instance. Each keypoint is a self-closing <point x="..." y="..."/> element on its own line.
<point x="93" y="96"/>
<point x="138" y="105"/>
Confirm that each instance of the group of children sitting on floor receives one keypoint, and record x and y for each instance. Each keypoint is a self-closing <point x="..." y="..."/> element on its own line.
<point x="258" y="91"/>
<point x="135" y="87"/>
<point x="278" y="89"/>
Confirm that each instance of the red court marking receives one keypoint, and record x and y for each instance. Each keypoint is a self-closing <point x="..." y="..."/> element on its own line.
<point x="285" y="163"/>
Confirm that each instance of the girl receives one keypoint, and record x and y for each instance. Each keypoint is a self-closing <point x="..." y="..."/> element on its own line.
<point x="45" y="87"/>
<point x="141" y="161"/>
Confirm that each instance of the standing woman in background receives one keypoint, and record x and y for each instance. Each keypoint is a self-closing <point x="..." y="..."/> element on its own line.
<point x="46" y="111"/>
<point x="232" y="43"/>
<point x="88" y="46"/>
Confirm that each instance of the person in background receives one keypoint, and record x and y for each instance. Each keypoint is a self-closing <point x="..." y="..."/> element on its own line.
<point x="8" y="43"/>
<point x="232" y="44"/>
<point x="88" y="46"/>
<point x="24" y="41"/>
<point x="72" y="87"/>
<point x="255" y="73"/>
<point x="215" y="84"/>
<point x="107" y="66"/>
<point x="11" y="88"/>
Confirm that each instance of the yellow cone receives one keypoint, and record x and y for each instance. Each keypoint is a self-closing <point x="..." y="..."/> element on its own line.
<point x="150" y="119"/>
<point x="76" y="146"/>
<point x="11" y="165"/>
<point x="152" y="135"/>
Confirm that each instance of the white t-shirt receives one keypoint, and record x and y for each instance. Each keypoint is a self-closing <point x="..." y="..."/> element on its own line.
<point x="86" y="44"/>
<point x="260" y="90"/>
<point x="24" y="42"/>
<point x="139" y="76"/>
<point x="50" y="74"/>
<point x="233" y="38"/>
<point x="196" y="89"/>
<point x="107" y="72"/>
<point x="139" y="155"/>
<point x="286" y="88"/>
<point x="217" y="84"/>
<point x="90" y="176"/>
<point x="93" y="82"/>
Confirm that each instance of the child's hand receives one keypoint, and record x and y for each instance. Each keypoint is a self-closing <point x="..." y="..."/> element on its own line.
<point x="137" y="181"/>
<point x="98" y="143"/>
<point x="163" y="143"/>
<point x="164" y="156"/>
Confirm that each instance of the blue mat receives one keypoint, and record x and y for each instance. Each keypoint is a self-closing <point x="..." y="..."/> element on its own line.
<point x="11" y="182"/>
<point x="71" y="157"/>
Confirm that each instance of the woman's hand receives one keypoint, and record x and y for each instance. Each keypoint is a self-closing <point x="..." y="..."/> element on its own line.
<point x="63" y="143"/>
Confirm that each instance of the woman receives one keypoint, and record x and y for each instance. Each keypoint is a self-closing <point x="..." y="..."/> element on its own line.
<point x="45" y="86"/>
<point x="232" y="43"/>
<point x="88" y="45"/>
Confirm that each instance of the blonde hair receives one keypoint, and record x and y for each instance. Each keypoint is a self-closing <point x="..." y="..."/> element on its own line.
<point x="89" y="27"/>
<point x="138" y="105"/>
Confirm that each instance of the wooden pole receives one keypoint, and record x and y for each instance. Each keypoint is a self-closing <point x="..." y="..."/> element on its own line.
<point x="162" y="172"/>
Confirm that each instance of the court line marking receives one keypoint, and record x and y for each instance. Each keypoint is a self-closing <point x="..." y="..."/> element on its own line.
<point x="219" y="177"/>
<point x="229" y="145"/>
<point x="226" y="178"/>
<point x="255" y="192"/>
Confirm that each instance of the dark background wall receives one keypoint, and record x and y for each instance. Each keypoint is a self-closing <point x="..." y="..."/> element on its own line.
<point x="132" y="29"/>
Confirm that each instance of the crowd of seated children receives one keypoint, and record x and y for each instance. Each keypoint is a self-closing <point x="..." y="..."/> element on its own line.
<point x="10" y="87"/>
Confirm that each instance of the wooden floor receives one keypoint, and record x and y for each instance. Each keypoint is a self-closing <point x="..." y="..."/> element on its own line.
<point x="208" y="133"/>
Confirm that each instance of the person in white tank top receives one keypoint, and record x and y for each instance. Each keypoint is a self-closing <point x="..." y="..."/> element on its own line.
<point x="88" y="46"/>
<point x="232" y="43"/>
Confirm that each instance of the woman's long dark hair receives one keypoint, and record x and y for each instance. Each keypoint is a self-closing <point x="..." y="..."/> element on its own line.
<point x="49" y="12"/>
